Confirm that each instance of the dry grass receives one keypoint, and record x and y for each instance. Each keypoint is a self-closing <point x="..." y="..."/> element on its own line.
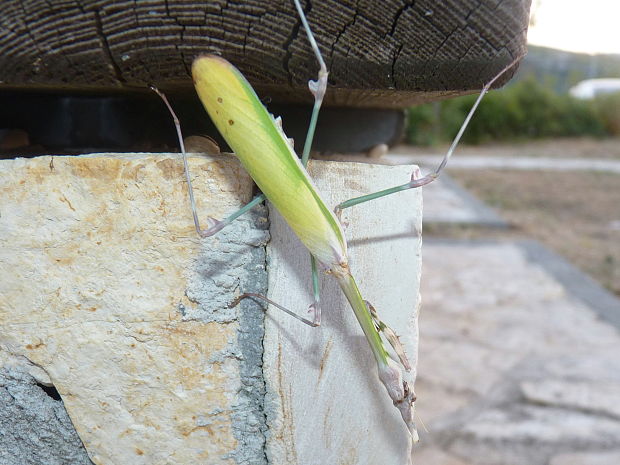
<point x="575" y="214"/>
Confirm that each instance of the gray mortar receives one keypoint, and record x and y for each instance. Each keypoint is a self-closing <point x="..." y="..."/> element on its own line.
<point x="34" y="428"/>
<point x="233" y="262"/>
<point x="223" y="259"/>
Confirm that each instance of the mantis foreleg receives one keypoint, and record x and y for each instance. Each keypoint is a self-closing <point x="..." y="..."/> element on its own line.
<point x="390" y="335"/>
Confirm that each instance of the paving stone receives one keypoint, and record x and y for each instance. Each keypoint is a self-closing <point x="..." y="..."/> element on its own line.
<point x="435" y="456"/>
<point x="587" y="458"/>
<point x="504" y="334"/>
<point x="594" y="396"/>
<point x="532" y="424"/>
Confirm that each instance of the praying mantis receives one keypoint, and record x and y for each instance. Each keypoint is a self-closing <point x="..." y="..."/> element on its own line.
<point x="259" y="142"/>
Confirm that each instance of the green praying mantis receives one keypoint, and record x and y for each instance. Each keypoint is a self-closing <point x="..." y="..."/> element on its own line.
<point x="263" y="149"/>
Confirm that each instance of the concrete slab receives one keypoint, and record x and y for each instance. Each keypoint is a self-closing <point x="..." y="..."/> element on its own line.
<point x="588" y="458"/>
<point x="499" y="319"/>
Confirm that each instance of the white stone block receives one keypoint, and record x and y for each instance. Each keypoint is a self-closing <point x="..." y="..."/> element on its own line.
<point x="325" y="403"/>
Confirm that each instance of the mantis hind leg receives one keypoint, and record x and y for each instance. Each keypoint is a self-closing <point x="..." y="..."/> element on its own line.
<point x="314" y="309"/>
<point x="317" y="87"/>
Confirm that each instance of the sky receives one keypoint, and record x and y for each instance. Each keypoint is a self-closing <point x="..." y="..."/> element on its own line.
<point x="586" y="26"/>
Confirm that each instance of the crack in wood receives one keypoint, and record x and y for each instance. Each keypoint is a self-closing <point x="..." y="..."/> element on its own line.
<point x="374" y="49"/>
<point x="290" y="39"/>
<point x="106" y="48"/>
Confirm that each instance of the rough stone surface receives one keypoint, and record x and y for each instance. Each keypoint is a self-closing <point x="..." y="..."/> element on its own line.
<point x="325" y="403"/>
<point x="515" y="368"/>
<point x="111" y="297"/>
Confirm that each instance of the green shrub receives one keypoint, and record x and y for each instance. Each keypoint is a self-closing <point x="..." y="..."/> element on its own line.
<point x="423" y="124"/>
<point x="607" y="107"/>
<point x="527" y="109"/>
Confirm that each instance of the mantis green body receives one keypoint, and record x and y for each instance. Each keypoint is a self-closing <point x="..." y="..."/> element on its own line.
<point x="263" y="149"/>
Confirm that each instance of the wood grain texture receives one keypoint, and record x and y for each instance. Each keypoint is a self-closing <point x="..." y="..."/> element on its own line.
<point x="379" y="52"/>
<point x="325" y="403"/>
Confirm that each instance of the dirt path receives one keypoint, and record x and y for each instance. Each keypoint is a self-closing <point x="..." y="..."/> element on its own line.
<point x="575" y="214"/>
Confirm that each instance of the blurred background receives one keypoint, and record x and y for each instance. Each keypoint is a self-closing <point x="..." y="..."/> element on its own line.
<point x="519" y="324"/>
<point x="564" y="102"/>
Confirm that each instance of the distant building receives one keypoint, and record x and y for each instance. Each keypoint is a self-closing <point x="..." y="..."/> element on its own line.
<point x="590" y="88"/>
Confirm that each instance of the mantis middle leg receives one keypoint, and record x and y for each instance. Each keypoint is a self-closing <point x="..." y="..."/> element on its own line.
<point x="417" y="181"/>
